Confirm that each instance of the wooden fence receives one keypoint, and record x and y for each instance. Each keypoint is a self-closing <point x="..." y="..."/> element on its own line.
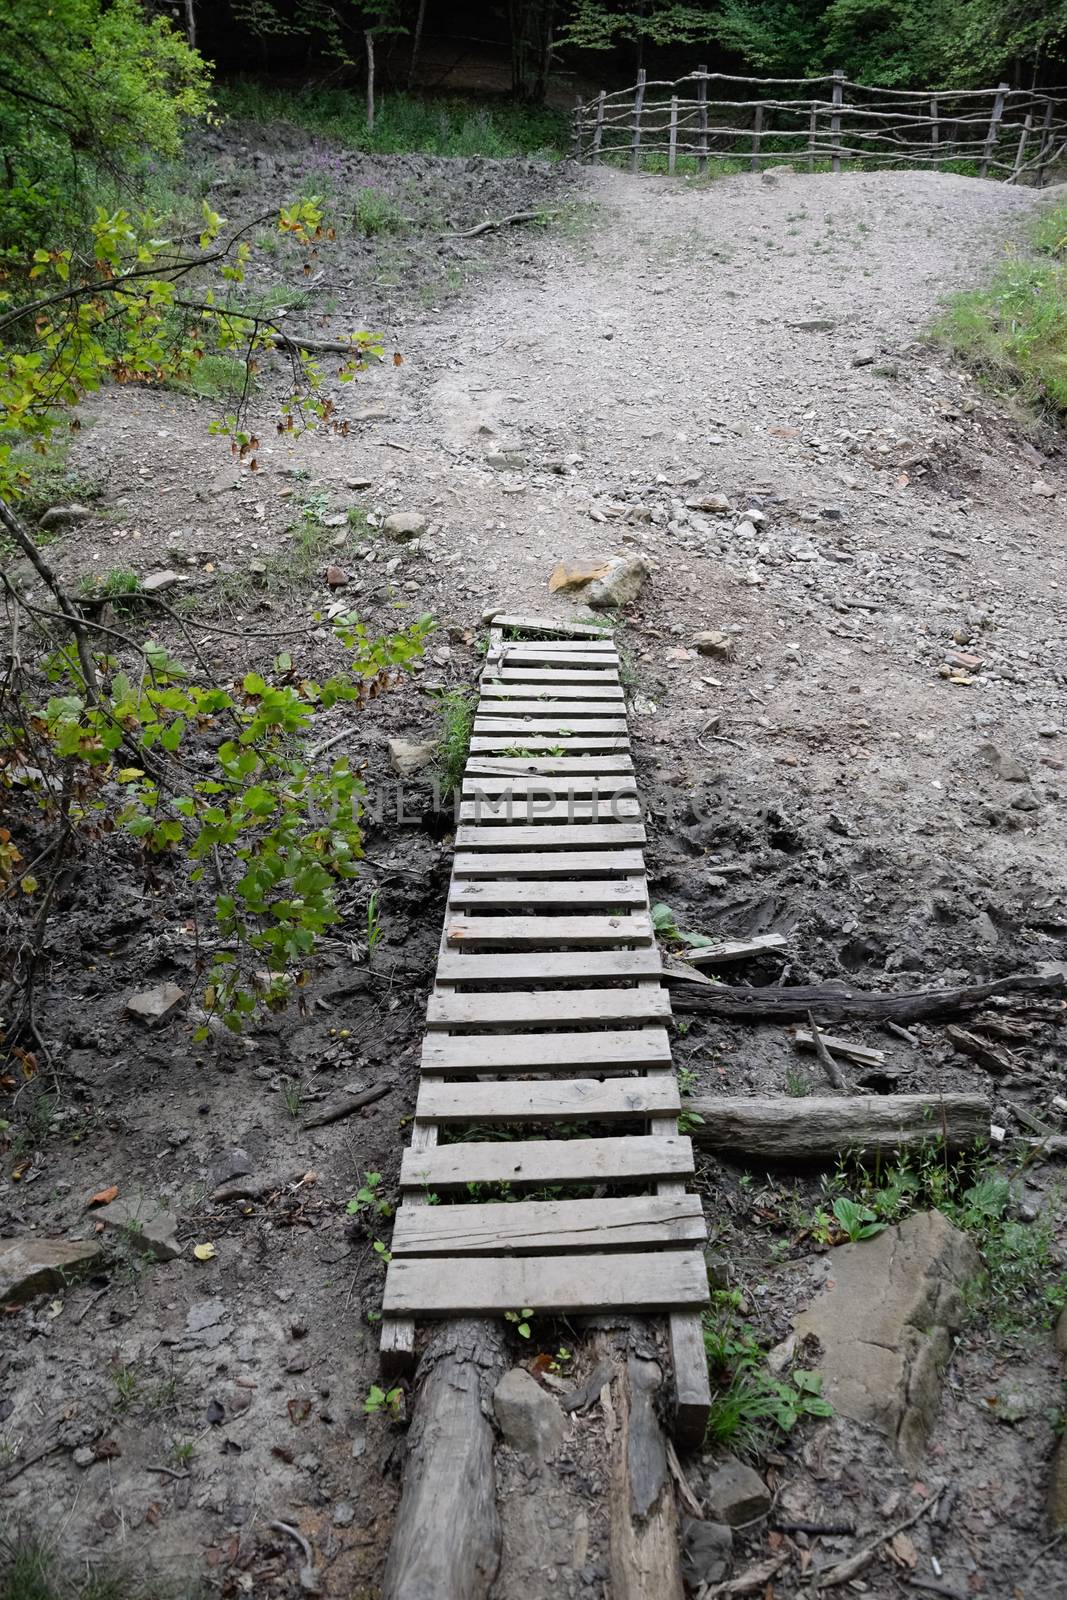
<point x="1014" y="134"/>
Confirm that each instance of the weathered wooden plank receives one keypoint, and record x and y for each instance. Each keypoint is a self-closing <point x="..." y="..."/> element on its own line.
<point x="528" y="966"/>
<point x="815" y="1127"/>
<point x="548" y="1100"/>
<point x="529" y="674"/>
<point x="567" y="629"/>
<point x="692" y="1389"/>
<point x="533" y="810"/>
<point x="572" y="785"/>
<point x="554" y="931"/>
<point x="712" y="955"/>
<point x="547" y="863"/>
<point x="649" y="1280"/>
<point x="507" y="743"/>
<point x="578" y="767"/>
<point x="550" y="835"/>
<point x="522" y="1161"/>
<point x="526" y="693"/>
<point x="564" y="713"/>
<point x="547" y="1052"/>
<point x="549" y="655"/>
<point x="516" y="1007"/>
<point x="582" y="892"/>
<point x="526" y="1226"/>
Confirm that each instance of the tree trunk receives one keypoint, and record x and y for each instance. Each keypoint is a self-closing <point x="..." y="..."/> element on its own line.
<point x="369" y="39"/>
<point x="818" y="1128"/>
<point x="531" y="47"/>
<point x="416" y="44"/>
<point x="190" y="22"/>
<point x="446" y="1540"/>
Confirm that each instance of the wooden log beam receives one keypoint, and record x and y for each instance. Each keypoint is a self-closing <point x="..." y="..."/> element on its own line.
<point x="446" y="1538"/>
<point x="836" y="1001"/>
<point x="817" y="1128"/>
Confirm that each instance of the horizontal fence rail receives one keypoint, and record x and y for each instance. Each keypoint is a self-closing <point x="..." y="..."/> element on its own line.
<point x="1012" y="134"/>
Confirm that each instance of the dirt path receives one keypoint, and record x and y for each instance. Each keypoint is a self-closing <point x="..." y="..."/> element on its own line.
<point x="826" y="779"/>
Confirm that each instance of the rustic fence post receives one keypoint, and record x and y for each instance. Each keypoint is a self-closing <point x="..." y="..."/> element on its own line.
<point x="635" y="142"/>
<point x="994" y="128"/>
<point x="598" y="129"/>
<point x="578" y="128"/>
<point x="935" y="128"/>
<point x="702" y="121"/>
<point x="757" y="134"/>
<point x="835" y="120"/>
<point x="1046" y="146"/>
<point x="1028" y="122"/>
<point x="813" y="127"/>
<point x="672" y="147"/>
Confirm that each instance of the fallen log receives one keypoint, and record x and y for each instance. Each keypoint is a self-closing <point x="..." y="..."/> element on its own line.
<point x="643" y="1532"/>
<point x="814" y="1128"/>
<point x="500" y="222"/>
<point x="835" y="1001"/>
<point x="345" y="1108"/>
<point x="446" y="1539"/>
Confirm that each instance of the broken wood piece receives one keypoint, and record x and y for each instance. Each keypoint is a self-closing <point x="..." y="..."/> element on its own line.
<point x="837" y="1001"/>
<point x="987" y="1055"/>
<point x="864" y="1055"/>
<point x="644" y="1540"/>
<point x="815" y="1128"/>
<point x="826" y="1060"/>
<point x="854" y="1565"/>
<point x="345" y="1108"/>
<point x="714" y="955"/>
<point x="754" y="1581"/>
<point x="500" y="222"/>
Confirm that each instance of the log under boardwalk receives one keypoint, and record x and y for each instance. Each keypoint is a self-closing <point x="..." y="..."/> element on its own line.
<point x="546" y="1026"/>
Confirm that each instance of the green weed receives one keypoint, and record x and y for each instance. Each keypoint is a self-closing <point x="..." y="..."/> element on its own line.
<point x="367" y="1197"/>
<point x="384" y="1400"/>
<point x="796" y="1084"/>
<point x="374" y="926"/>
<point x="456" y="708"/>
<point x="375" y="212"/>
<point x="292" y="1097"/>
<point x="750" y="1406"/>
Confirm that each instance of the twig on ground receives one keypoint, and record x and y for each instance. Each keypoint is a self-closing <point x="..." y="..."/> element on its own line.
<point x="89" y="1304"/>
<point x="328" y="744"/>
<point x="932" y="1586"/>
<point x="846" y="1570"/>
<point x="500" y="222"/>
<point x="750" y="1582"/>
<point x="826" y="1060"/>
<point x="345" y="1108"/>
<point x="168" y="1472"/>
<point x="814" y="1529"/>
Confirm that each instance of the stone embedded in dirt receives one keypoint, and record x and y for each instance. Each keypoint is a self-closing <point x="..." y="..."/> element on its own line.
<point x="1003" y="763"/>
<point x="709" y="502"/>
<point x="336" y="577"/>
<point x="622" y="584"/>
<point x="344" y="1514"/>
<point x="336" y="519"/>
<point x="30" y="1266"/>
<point x="714" y="643"/>
<point x="154" y="1005"/>
<point x="503" y="460"/>
<point x="865" y="355"/>
<point x="156" y="582"/>
<point x="84" y="1456"/>
<point x="409" y="756"/>
<point x="1043" y="489"/>
<point x="770" y="175"/>
<point x="736" y="1493"/>
<point x="529" y="1418"/>
<point x="233" y="1164"/>
<point x="567" y="576"/>
<point x="358" y="483"/>
<point x="885" y="1321"/>
<point x="63" y="516"/>
<point x="404" y="525"/>
<point x="150" y="1229"/>
<point x="707" y="1551"/>
<point x="814" y="325"/>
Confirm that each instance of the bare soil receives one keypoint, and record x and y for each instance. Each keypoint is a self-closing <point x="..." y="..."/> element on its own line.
<point x="664" y="342"/>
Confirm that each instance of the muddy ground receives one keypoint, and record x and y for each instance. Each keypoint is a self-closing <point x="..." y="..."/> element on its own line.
<point x="835" y="778"/>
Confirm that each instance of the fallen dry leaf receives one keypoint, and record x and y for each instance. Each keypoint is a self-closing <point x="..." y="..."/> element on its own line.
<point x="104" y="1197"/>
<point x="204" y="1252"/>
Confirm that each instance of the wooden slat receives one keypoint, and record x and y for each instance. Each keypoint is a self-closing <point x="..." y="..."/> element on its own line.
<point x="569" y="785"/>
<point x="555" y="712"/>
<point x="524" y="1226"/>
<point x="482" y="1286"/>
<point x="548" y="766"/>
<point x="551" y="931"/>
<point x="514" y="1008"/>
<point x="551" y="1100"/>
<point x="523" y="693"/>
<point x="532" y="810"/>
<point x="522" y="1161"/>
<point x="548" y="1052"/>
<point x="552" y="651"/>
<point x="568" y="629"/>
<point x="529" y="966"/>
<point x="529" y="674"/>
<point x="473" y="836"/>
<point x="506" y="743"/>
<point x="547" y="863"/>
<point x="577" y="892"/>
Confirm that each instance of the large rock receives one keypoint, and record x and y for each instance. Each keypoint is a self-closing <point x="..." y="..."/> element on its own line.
<point x="153" y="1006"/>
<point x="30" y="1266"/>
<point x="64" y="516"/>
<point x="404" y="525"/>
<point x="619" y="586"/>
<point x="527" y="1415"/>
<point x="885" y="1321"/>
<point x="567" y="576"/>
<point x="409" y="756"/>
<point x="707" y="1551"/>
<point x="149" y="1228"/>
<point x="737" y="1494"/>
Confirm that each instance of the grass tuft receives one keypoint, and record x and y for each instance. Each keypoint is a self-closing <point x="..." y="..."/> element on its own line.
<point x="457" y="720"/>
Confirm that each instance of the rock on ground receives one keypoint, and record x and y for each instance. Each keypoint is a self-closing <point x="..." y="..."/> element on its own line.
<point x="408" y="756"/>
<point x="150" y="1229"/>
<point x="404" y="525"/>
<point x="707" y="1551"/>
<point x="31" y="1266"/>
<point x="622" y="584"/>
<point x="885" y="1321"/>
<point x="528" y="1417"/>
<point x="736" y="1493"/>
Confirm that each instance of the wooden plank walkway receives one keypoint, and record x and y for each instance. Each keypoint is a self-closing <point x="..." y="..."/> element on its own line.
<point x="547" y="1020"/>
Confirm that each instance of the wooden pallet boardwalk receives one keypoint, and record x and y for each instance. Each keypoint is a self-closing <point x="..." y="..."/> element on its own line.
<point x="547" y="1018"/>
